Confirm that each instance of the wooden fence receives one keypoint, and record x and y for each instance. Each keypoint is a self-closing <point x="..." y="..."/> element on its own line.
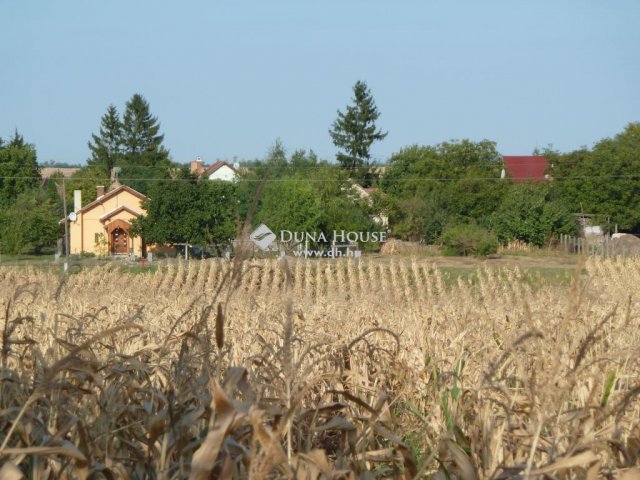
<point x="597" y="245"/>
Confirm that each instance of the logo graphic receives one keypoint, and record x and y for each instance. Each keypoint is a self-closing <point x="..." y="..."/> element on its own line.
<point x="263" y="237"/>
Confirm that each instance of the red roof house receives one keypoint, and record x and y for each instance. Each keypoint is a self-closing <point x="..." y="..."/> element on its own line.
<point x="220" y="170"/>
<point x="526" y="167"/>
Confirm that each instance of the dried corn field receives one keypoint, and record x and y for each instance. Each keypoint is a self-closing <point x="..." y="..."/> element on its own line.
<point x="314" y="369"/>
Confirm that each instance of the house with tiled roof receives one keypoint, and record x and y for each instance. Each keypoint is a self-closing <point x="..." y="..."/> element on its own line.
<point x="220" y="170"/>
<point x="103" y="226"/>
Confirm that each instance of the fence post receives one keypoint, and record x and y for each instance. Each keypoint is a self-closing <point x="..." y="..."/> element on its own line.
<point x="613" y="250"/>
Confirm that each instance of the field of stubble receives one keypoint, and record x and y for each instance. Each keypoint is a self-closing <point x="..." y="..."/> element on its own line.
<point x="311" y="369"/>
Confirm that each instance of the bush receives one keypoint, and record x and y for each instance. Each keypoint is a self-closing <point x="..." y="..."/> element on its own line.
<point x="80" y="256"/>
<point x="29" y="225"/>
<point x="468" y="240"/>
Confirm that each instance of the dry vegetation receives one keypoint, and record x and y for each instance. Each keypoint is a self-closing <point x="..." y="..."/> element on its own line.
<point x="310" y="369"/>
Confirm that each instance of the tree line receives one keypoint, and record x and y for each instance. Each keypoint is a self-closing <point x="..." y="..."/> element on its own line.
<point x="432" y="193"/>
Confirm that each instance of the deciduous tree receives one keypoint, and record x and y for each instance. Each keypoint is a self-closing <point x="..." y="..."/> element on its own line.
<point x="186" y="210"/>
<point x="303" y="193"/>
<point x="430" y="187"/>
<point x="19" y="171"/>
<point x="604" y="180"/>
<point x="290" y="203"/>
<point x="29" y="224"/>
<point x="529" y="212"/>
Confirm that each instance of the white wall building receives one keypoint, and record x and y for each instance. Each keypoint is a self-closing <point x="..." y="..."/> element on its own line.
<point x="220" y="170"/>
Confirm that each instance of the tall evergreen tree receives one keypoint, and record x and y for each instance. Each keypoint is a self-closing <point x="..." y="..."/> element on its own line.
<point x="355" y="130"/>
<point x="106" y="148"/>
<point x="142" y="142"/>
<point x="143" y="155"/>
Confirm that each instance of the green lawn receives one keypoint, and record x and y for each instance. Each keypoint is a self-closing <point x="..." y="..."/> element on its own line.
<point x="536" y="276"/>
<point x="13" y="260"/>
<point x="537" y="271"/>
<point x="47" y="261"/>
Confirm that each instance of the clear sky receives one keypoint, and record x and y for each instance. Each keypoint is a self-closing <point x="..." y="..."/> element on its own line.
<point x="226" y="78"/>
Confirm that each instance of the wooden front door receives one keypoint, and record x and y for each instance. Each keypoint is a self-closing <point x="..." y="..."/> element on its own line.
<point x="119" y="242"/>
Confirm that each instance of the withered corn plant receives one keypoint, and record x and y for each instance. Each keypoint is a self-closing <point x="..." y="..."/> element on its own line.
<point x="305" y="369"/>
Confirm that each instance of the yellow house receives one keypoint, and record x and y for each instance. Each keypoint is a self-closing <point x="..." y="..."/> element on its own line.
<point x="102" y="227"/>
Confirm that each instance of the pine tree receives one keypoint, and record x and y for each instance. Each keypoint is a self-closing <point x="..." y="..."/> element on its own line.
<point x="142" y="143"/>
<point x="143" y="155"/>
<point x="355" y="130"/>
<point x="106" y="148"/>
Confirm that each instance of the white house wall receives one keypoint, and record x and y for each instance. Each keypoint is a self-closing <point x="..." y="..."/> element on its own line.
<point x="223" y="173"/>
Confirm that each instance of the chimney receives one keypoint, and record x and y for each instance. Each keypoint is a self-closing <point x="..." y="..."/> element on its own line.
<point x="100" y="190"/>
<point x="196" y="166"/>
<point x="77" y="200"/>
<point x="115" y="183"/>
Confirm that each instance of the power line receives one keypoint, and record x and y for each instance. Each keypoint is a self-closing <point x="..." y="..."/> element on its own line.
<point x="318" y="165"/>
<point x="337" y="180"/>
<point x="322" y="166"/>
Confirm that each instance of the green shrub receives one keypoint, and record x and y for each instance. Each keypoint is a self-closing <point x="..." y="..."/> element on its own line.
<point x="532" y="214"/>
<point x="468" y="239"/>
<point x="80" y="256"/>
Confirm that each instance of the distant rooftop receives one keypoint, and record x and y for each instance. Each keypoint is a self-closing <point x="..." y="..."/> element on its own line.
<point x="526" y="167"/>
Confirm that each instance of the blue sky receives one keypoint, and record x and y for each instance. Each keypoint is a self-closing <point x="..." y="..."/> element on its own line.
<point x="226" y="78"/>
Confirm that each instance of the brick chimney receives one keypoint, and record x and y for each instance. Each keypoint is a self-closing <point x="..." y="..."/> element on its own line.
<point x="100" y="190"/>
<point x="196" y="167"/>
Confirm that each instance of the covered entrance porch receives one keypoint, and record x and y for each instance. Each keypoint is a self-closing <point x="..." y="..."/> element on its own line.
<point x="120" y="241"/>
<point x="117" y="226"/>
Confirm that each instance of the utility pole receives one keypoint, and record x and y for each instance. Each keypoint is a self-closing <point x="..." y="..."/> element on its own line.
<point x="66" y="227"/>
